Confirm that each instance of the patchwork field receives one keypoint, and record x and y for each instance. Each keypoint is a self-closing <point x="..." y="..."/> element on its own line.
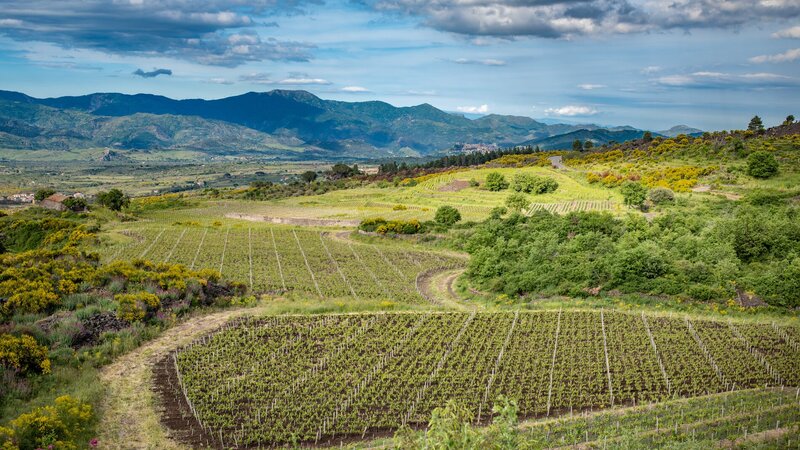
<point x="276" y="259"/>
<point x="333" y="378"/>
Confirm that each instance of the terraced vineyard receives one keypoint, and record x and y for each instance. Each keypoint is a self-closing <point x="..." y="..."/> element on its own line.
<point x="282" y="259"/>
<point x="326" y="378"/>
<point x="575" y="205"/>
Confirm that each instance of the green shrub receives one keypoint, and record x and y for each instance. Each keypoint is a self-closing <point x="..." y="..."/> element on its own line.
<point x="495" y="181"/>
<point x="57" y="426"/>
<point x="23" y="354"/>
<point x="533" y="184"/>
<point x="447" y="215"/>
<point x="762" y="165"/>
<point x="634" y="194"/>
<point x="661" y="195"/>
<point x="517" y="202"/>
<point x="135" y="307"/>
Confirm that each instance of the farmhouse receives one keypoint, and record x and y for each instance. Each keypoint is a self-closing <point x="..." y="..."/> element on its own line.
<point x="54" y="202"/>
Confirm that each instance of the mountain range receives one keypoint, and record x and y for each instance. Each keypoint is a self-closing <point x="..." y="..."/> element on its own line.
<point x="278" y="123"/>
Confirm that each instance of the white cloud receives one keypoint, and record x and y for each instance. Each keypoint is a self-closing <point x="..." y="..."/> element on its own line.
<point x="482" y="62"/>
<point x="303" y="81"/>
<point x="354" y="89"/>
<point x="571" y="110"/>
<point x="787" y="56"/>
<point x="589" y="87"/>
<point x="483" y="109"/>
<point x="720" y="80"/>
<point x="651" y="70"/>
<point x="10" y="23"/>
<point x="790" y="33"/>
<point x="220" y="81"/>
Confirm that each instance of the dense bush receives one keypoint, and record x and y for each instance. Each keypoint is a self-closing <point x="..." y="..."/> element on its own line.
<point x="495" y="181"/>
<point x="135" y="307"/>
<point x="447" y="216"/>
<point x="383" y="226"/>
<point x="762" y="165"/>
<point x="58" y="426"/>
<point x="661" y="195"/>
<point x="23" y="354"/>
<point x="517" y="202"/>
<point x="633" y="194"/>
<point x="533" y="184"/>
<point x="708" y="257"/>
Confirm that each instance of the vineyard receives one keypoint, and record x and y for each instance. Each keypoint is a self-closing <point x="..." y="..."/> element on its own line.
<point x="575" y="205"/>
<point x="331" y="378"/>
<point x="284" y="260"/>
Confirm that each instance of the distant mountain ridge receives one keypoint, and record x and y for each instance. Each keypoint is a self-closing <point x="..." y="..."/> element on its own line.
<point x="271" y="122"/>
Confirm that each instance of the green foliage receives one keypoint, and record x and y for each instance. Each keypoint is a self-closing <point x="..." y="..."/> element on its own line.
<point x="647" y="137"/>
<point x="447" y="215"/>
<point x="661" y="195"/>
<point x="75" y="204"/>
<point x="57" y="426"/>
<point x="533" y="184"/>
<point x="42" y="194"/>
<point x="755" y="125"/>
<point x="789" y="120"/>
<point x="517" y="202"/>
<point x="577" y="145"/>
<point x="634" y="194"/>
<point x="114" y="199"/>
<point x="495" y="181"/>
<point x="23" y="354"/>
<point x="762" y="165"/>
<point x="706" y="257"/>
<point x="309" y="176"/>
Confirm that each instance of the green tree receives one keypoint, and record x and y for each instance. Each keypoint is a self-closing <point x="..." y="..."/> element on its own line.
<point x="647" y="136"/>
<point x="309" y="176"/>
<point x="789" y="120"/>
<point x="447" y="215"/>
<point x="661" y="195"/>
<point x="42" y="194"/>
<point x="75" y="204"/>
<point x="588" y="145"/>
<point x="762" y="165"/>
<point x="634" y="194"/>
<point x="577" y="145"/>
<point x="756" y="125"/>
<point x="495" y="181"/>
<point x="114" y="199"/>
<point x="517" y="202"/>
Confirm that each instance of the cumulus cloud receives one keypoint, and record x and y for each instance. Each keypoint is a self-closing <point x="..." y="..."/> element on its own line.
<point x="211" y="32"/>
<point x="790" y="33"/>
<point x="354" y="89"/>
<point x="570" y="18"/>
<point x="482" y="109"/>
<point x="787" y="56"/>
<point x="482" y="62"/>
<point x="722" y="80"/>
<point x="591" y="87"/>
<point x="152" y="74"/>
<point x="571" y="111"/>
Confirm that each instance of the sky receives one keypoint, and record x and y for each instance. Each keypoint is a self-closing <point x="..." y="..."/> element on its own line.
<point x="651" y="64"/>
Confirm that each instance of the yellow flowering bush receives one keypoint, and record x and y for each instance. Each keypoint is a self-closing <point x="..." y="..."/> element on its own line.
<point x="55" y="426"/>
<point x="134" y="307"/>
<point x="23" y="354"/>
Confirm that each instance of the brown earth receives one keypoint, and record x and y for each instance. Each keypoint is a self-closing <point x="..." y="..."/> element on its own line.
<point x="454" y="186"/>
<point x="303" y="222"/>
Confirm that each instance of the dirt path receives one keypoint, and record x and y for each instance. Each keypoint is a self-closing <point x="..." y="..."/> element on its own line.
<point x="297" y="221"/>
<point x="437" y="286"/>
<point x="130" y="416"/>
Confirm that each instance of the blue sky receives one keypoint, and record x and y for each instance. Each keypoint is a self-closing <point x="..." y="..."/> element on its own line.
<point x="647" y="63"/>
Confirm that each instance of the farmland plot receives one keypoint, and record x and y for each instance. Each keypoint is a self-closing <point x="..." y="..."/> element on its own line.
<point x="284" y="260"/>
<point x="330" y="378"/>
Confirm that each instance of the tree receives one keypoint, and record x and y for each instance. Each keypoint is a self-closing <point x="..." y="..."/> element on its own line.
<point x="75" y="204"/>
<point x="309" y="176"/>
<point x="495" y="181"/>
<point x="647" y="136"/>
<point x="114" y="199"/>
<point x="517" y="202"/>
<point x="588" y="145"/>
<point x="789" y="120"/>
<point x="577" y="145"/>
<point x="634" y="194"/>
<point x="756" y="125"/>
<point x="447" y="215"/>
<point x="762" y="165"/>
<point x="42" y="194"/>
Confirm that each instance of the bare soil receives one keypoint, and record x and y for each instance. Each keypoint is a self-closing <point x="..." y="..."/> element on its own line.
<point x="454" y="186"/>
<point x="302" y="222"/>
